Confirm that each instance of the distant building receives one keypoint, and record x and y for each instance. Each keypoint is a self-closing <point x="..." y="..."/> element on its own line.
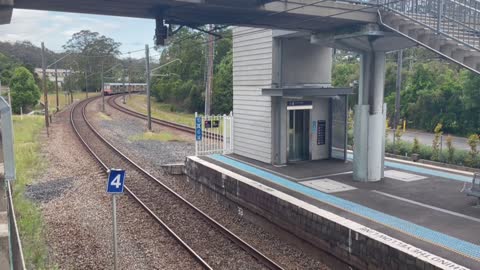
<point x="61" y="74"/>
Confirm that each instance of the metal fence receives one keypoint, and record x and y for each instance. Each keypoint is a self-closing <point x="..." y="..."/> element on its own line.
<point x="213" y="134"/>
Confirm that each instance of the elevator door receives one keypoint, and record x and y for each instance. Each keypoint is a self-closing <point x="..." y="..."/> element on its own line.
<point x="298" y="135"/>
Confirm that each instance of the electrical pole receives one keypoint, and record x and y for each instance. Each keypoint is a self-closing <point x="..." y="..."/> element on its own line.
<point x="56" y="86"/>
<point x="45" y="90"/>
<point x="147" y="76"/>
<point x="209" y="81"/>
<point x="397" y="94"/>
<point x="123" y="81"/>
<point x="86" y="83"/>
<point x="103" y="91"/>
<point x="129" y="72"/>
<point x="71" y="88"/>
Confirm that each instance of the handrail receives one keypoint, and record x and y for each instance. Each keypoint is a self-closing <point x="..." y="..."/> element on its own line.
<point x="17" y="261"/>
<point x="458" y="20"/>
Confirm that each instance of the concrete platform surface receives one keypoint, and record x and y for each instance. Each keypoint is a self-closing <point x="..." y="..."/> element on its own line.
<point x="421" y="206"/>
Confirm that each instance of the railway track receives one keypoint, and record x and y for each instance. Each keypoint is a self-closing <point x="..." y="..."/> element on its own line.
<point x="211" y="245"/>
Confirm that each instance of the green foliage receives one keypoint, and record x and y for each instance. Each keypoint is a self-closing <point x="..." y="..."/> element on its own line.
<point x="460" y="157"/>
<point x="450" y="149"/>
<point x="29" y="164"/>
<point x="436" y="142"/>
<point x="25" y="93"/>
<point x="472" y="160"/>
<point x="7" y="65"/>
<point x="435" y="92"/>
<point x="222" y="102"/>
<point x="398" y="137"/>
<point x="182" y="83"/>
<point x="85" y="47"/>
<point x="415" y="146"/>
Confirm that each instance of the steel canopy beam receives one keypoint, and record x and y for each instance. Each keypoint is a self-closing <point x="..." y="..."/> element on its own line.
<point x="256" y="13"/>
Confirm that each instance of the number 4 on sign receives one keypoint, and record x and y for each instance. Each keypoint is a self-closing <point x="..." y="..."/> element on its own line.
<point x="116" y="179"/>
<point x="116" y="182"/>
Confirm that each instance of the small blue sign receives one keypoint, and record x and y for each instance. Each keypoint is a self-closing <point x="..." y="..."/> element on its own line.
<point x="116" y="179"/>
<point x="198" y="128"/>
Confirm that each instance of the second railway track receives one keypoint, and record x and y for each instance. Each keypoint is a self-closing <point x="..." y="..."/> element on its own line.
<point x="212" y="245"/>
<point x="112" y="102"/>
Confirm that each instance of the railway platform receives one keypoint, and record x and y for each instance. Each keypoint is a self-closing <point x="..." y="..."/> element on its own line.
<point x="415" y="218"/>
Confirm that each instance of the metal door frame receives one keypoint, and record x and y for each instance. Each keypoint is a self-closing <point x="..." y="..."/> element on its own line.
<point x="306" y="134"/>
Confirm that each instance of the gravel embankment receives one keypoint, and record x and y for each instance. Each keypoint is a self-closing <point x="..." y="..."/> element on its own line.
<point x="151" y="154"/>
<point x="77" y="213"/>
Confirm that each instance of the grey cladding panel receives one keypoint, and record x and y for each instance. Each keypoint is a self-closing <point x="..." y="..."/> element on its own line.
<point x="252" y="64"/>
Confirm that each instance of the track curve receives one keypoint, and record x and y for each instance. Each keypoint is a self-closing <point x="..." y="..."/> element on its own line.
<point x="223" y="246"/>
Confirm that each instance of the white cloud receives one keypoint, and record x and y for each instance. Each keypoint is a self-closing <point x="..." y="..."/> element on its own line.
<point x="56" y="28"/>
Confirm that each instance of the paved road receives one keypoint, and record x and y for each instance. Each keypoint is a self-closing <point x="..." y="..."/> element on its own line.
<point x="427" y="138"/>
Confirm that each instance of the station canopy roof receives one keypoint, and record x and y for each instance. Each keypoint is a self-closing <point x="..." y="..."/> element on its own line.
<point x="308" y="15"/>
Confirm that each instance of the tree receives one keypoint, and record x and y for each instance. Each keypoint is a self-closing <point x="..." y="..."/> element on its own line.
<point x="7" y="65"/>
<point x="183" y="83"/>
<point x="223" y="86"/>
<point x="25" y="93"/>
<point x="90" y="51"/>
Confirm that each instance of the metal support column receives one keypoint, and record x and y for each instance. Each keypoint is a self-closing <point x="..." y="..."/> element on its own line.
<point x="396" y="118"/>
<point x="56" y="87"/>
<point x="368" y="156"/>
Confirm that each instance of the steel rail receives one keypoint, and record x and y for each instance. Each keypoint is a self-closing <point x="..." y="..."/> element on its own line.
<point x="112" y="103"/>
<point x="134" y="196"/>
<point x="223" y="230"/>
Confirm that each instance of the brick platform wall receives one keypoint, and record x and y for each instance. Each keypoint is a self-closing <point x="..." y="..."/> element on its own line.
<point x="327" y="231"/>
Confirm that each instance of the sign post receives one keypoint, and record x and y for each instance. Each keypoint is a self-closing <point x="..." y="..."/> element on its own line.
<point x="198" y="132"/>
<point x="115" y="184"/>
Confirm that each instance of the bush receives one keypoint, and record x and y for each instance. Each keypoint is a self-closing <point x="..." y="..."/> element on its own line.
<point x="472" y="158"/>
<point x="450" y="149"/>
<point x="416" y="146"/>
<point x="436" y="142"/>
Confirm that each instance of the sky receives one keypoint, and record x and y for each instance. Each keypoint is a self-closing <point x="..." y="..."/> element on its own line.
<point x="55" y="28"/>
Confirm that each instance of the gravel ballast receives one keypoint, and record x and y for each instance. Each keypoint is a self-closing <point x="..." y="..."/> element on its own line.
<point x="77" y="213"/>
<point x="151" y="154"/>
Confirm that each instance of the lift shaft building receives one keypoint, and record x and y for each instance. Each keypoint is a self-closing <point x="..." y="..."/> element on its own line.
<point x="285" y="108"/>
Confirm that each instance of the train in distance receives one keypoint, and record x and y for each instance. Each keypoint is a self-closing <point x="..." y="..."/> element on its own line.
<point x="117" y="88"/>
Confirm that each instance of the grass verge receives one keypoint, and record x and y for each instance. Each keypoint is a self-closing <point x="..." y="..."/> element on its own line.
<point x="150" y="136"/>
<point x="62" y="101"/>
<point x="160" y="110"/>
<point x="28" y="164"/>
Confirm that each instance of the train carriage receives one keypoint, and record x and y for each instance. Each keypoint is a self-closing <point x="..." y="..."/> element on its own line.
<point x="118" y="88"/>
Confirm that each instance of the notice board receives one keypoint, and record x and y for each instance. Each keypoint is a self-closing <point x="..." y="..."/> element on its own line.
<point x="321" y="132"/>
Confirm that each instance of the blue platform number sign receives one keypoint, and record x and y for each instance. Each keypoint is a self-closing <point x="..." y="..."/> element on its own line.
<point x="116" y="179"/>
<point x="198" y="128"/>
